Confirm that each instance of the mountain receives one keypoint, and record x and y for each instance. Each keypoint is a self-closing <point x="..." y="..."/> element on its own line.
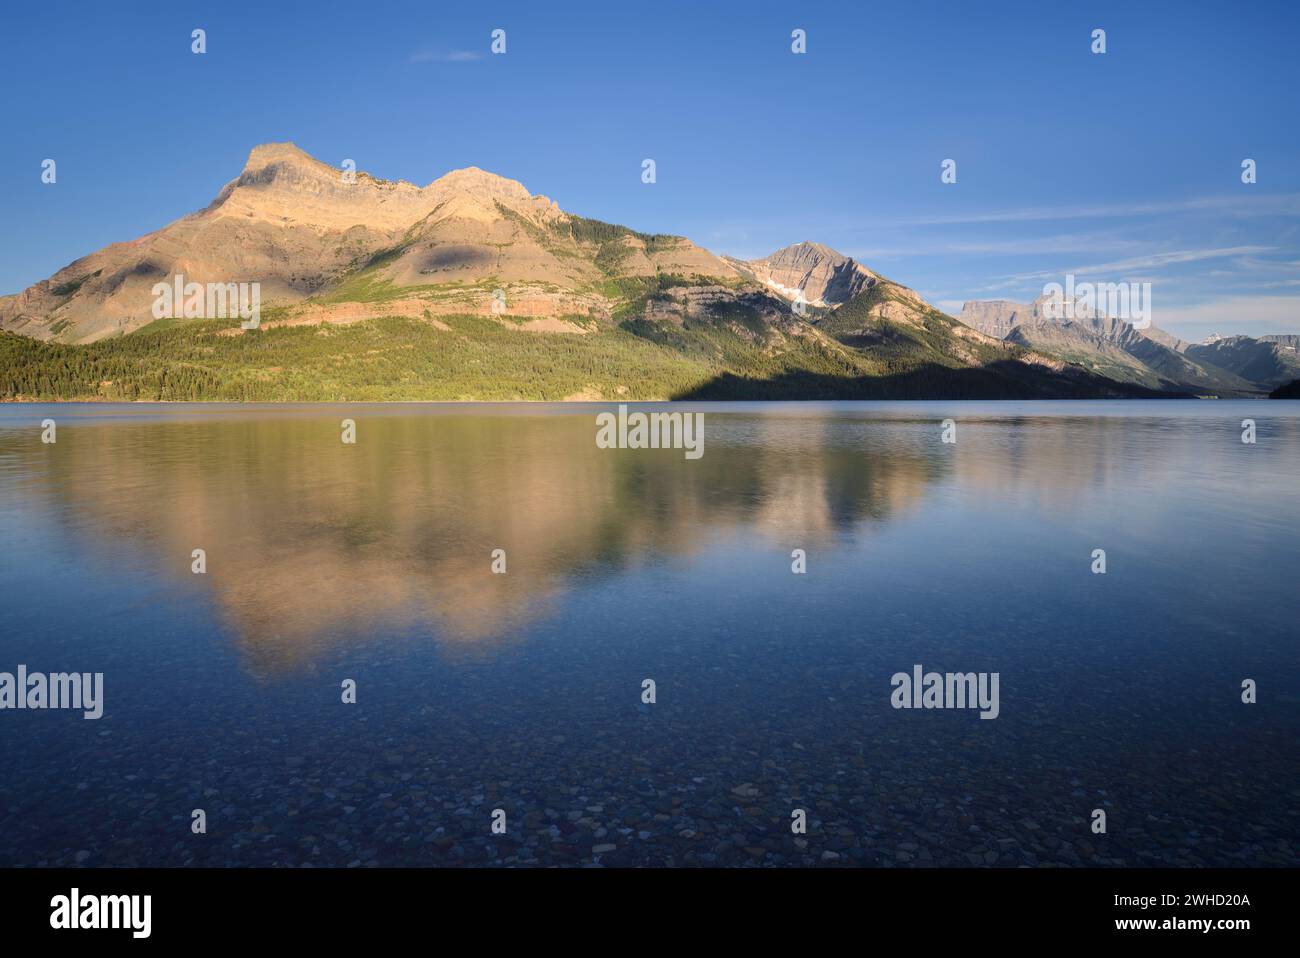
<point x="1269" y="361"/>
<point x="1288" y="341"/>
<point x="1114" y="348"/>
<point x="474" y="288"/>
<point x="823" y="276"/>
<point x="1090" y="345"/>
<point x="1289" y="391"/>
<point x="290" y="223"/>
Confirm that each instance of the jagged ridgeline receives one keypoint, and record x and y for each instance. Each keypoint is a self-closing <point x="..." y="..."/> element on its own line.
<point x="472" y="288"/>
<point x="1234" y="366"/>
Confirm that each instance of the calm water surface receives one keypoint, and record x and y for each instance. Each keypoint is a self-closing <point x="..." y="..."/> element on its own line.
<point x="522" y="691"/>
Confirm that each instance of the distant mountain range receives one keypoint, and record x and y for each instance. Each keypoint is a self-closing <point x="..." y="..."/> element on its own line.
<point x="473" y="288"/>
<point x="1234" y="366"/>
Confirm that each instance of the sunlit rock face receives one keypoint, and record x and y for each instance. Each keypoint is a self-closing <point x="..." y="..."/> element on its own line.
<point x="821" y="275"/>
<point x="304" y="229"/>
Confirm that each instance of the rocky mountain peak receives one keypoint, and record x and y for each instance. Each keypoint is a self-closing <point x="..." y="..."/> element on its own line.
<point x="479" y="182"/>
<point x="286" y="186"/>
<point x="268" y="154"/>
<point x="823" y="276"/>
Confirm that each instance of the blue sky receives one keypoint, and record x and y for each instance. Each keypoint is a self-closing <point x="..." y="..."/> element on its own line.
<point x="1123" y="166"/>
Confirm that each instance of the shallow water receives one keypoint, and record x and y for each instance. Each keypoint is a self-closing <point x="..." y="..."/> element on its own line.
<point x="523" y="691"/>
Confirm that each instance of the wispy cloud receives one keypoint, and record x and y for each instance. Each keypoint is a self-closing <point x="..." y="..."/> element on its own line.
<point x="1250" y="315"/>
<point x="1240" y="205"/>
<point x="444" y="56"/>
<point x="1027" y="246"/>
<point x="1120" y="269"/>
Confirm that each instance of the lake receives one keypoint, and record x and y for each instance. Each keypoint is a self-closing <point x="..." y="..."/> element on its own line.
<point x="519" y="699"/>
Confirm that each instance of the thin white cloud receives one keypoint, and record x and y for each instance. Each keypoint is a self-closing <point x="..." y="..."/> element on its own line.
<point x="1118" y="269"/>
<point x="1241" y="205"/>
<point x="1249" y="315"/>
<point x="1065" y="243"/>
<point x="448" y="56"/>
